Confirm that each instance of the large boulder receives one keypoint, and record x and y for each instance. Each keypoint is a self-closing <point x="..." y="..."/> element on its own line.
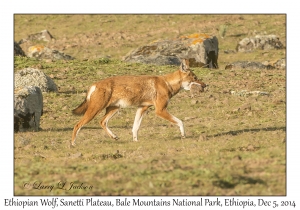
<point x="34" y="77"/>
<point x="44" y="35"/>
<point x="41" y="52"/>
<point x="18" y="51"/>
<point x="247" y="65"/>
<point x="28" y="108"/>
<point x="201" y="49"/>
<point x="252" y="65"/>
<point x="263" y="42"/>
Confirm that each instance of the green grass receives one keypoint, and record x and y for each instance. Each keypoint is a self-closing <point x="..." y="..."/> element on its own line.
<point x="244" y="152"/>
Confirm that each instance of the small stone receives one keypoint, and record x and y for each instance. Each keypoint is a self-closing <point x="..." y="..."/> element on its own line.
<point x="100" y="73"/>
<point x="194" y="101"/>
<point x="202" y="137"/>
<point x="245" y="107"/>
<point x="250" y="148"/>
<point x="76" y="155"/>
<point x="39" y="155"/>
<point x="236" y="110"/>
<point x="48" y="60"/>
<point x="189" y="118"/>
<point x="237" y="157"/>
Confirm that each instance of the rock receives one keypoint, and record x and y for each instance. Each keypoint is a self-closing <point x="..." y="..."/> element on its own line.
<point x="189" y="118"/>
<point x="202" y="137"/>
<point x="39" y="155"/>
<point x="248" y="65"/>
<point x="280" y="64"/>
<point x="201" y="49"/>
<point x="251" y="65"/>
<point x="194" y="101"/>
<point x="229" y="51"/>
<point x="34" y="77"/>
<point x="250" y="147"/>
<point x="236" y="110"/>
<point x="23" y="141"/>
<point x="18" y="50"/>
<point x="28" y="108"/>
<point x="41" y="52"/>
<point x="278" y="101"/>
<point x="44" y="35"/>
<point x="264" y="42"/>
<point x="247" y="93"/>
<point x="237" y="157"/>
<point x="245" y="107"/>
<point x="76" y="155"/>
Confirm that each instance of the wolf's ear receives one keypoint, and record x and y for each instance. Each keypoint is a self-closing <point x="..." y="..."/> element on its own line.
<point x="184" y="66"/>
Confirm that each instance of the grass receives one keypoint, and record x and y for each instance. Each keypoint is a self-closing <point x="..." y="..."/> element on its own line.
<point x="235" y="145"/>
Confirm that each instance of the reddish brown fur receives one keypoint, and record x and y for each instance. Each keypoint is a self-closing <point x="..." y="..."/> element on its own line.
<point x="141" y="91"/>
<point x="81" y="109"/>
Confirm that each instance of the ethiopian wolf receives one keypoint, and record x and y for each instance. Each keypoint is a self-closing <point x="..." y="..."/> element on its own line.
<point x="118" y="92"/>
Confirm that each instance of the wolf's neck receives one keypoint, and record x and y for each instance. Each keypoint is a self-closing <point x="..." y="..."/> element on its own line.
<point x="173" y="80"/>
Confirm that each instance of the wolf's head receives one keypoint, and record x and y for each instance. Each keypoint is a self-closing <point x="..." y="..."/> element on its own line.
<point x="188" y="77"/>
